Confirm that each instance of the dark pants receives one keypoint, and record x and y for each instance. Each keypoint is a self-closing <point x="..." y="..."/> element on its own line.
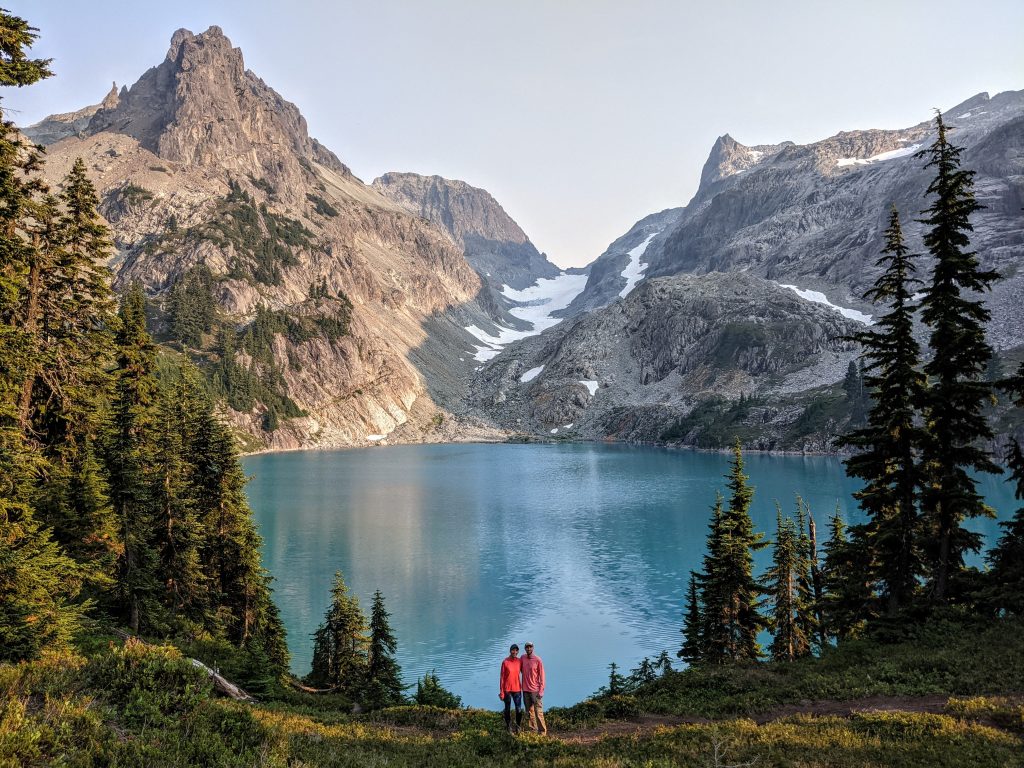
<point x="509" y="697"/>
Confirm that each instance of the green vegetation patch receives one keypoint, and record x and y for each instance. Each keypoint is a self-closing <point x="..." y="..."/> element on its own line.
<point x="263" y="241"/>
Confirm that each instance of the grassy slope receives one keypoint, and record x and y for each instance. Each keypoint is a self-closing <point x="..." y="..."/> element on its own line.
<point x="147" y="706"/>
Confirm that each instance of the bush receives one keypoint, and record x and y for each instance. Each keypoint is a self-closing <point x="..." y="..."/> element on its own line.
<point x="430" y="692"/>
<point x="149" y="684"/>
<point x="621" y="707"/>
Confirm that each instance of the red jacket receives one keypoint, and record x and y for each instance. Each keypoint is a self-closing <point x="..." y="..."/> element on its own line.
<point x="509" y="679"/>
<point x="533" y="674"/>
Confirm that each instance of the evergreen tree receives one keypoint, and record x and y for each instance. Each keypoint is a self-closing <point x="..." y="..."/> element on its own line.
<point x="663" y="663"/>
<point x="616" y="681"/>
<point x="805" y="615"/>
<point x="430" y="693"/>
<point x="645" y="673"/>
<point x="693" y="625"/>
<point x="340" y="643"/>
<point x="130" y="463"/>
<point x="848" y="600"/>
<point x="886" y="458"/>
<point x="383" y="674"/>
<point x="958" y="393"/>
<point x="731" y="594"/>
<point x="61" y="399"/>
<point x="789" y="638"/>
<point x="1007" y="558"/>
<point x="39" y="585"/>
<point x="179" y="534"/>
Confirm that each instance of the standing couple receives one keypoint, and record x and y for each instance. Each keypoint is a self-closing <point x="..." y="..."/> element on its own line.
<point x="523" y="678"/>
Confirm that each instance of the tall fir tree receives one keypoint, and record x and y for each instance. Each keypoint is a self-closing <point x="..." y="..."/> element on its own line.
<point x="39" y="584"/>
<point x="340" y="643"/>
<point x="692" y="650"/>
<point x="957" y="393"/>
<point x="179" y="534"/>
<point x="130" y="461"/>
<point x="731" y="594"/>
<point x="848" y="600"/>
<point x="887" y="449"/>
<point x="789" y="638"/>
<point x="383" y="674"/>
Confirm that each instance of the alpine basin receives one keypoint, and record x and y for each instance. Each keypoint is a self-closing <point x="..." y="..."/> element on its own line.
<point x="584" y="549"/>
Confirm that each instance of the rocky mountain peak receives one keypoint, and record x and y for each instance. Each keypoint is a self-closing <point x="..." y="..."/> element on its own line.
<point x="111" y="99"/>
<point x="494" y="244"/>
<point x="201" y="107"/>
<point x="728" y="157"/>
<point x="460" y="208"/>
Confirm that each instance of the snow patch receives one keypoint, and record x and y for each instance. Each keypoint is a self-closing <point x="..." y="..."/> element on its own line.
<point x="755" y="155"/>
<point x="554" y="431"/>
<point x="568" y="426"/>
<point x="634" y="270"/>
<point x="818" y="297"/>
<point x="590" y="385"/>
<point x="880" y="158"/>
<point x="531" y="374"/>
<point x="965" y="114"/>
<point x="536" y="305"/>
<point x="375" y="438"/>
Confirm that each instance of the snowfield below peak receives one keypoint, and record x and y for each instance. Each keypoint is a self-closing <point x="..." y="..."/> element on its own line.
<point x="819" y="298"/>
<point x="537" y="304"/>
<point x="634" y="270"/>
<point x="843" y="162"/>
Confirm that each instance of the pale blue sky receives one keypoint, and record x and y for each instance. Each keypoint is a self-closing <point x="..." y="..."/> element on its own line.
<point x="580" y="117"/>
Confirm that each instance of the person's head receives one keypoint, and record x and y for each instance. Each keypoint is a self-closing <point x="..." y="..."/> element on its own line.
<point x="513" y="650"/>
<point x="529" y="649"/>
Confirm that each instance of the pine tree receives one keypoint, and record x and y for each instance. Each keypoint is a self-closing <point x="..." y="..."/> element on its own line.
<point x="178" y="532"/>
<point x="39" y="585"/>
<point x="888" y="446"/>
<point x="731" y="594"/>
<point x="958" y="393"/>
<point x="430" y="693"/>
<point x="616" y="681"/>
<point x="805" y="615"/>
<point x="645" y="673"/>
<point x="130" y="465"/>
<point x="693" y="625"/>
<point x="848" y="600"/>
<point x="340" y="643"/>
<point x="790" y="640"/>
<point x="383" y="674"/>
<point x="60" y="399"/>
<point x="663" y="663"/>
<point x="1007" y="558"/>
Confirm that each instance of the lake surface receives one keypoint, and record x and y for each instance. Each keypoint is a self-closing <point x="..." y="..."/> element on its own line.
<point x="583" y="549"/>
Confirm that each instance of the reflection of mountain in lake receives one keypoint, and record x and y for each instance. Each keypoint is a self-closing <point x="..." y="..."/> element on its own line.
<point x="584" y="549"/>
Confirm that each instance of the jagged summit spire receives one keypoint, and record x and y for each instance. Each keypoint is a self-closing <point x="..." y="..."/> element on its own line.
<point x="111" y="99"/>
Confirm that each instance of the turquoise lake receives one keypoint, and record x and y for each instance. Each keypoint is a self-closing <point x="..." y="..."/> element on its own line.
<point x="583" y="549"/>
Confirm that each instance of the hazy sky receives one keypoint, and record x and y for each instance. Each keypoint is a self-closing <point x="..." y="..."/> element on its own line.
<point x="579" y="117"/>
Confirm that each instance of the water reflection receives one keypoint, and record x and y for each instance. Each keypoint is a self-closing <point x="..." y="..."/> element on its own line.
<point x="583" y="549"/>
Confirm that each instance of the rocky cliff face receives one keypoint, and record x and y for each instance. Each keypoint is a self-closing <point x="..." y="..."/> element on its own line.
<point x="493" y="243"/>
<point x="633" y="369"/>
<point x="201" y="163"/>
<point x="813" y="215"/>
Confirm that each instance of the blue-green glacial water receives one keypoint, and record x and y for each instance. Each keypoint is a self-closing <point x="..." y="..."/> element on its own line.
<point x="584" y="549"/>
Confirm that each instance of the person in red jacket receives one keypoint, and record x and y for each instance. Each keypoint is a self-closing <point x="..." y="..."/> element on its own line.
<point x="510" y="688"/>
<point x="533" y="690"/>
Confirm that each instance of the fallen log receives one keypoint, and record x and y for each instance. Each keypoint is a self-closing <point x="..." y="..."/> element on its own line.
<point x="222" y="685"/>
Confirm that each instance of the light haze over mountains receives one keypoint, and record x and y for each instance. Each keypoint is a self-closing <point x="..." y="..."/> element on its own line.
<point x="580" y="117"/>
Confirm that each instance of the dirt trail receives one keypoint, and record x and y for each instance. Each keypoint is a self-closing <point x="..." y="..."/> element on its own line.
<point x="935" y="704"/>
